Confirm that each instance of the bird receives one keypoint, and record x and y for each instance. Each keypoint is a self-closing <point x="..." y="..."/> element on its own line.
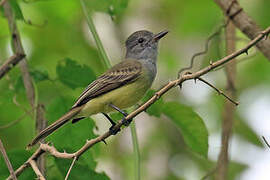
<point x="120" y="87"/>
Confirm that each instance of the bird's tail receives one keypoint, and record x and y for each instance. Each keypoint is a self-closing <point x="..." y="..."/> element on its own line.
<point x="57" y="124"/>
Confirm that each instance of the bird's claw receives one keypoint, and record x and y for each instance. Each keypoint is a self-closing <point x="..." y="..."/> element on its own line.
<point x="126" y="122"/>
<point x="114" y="130"/>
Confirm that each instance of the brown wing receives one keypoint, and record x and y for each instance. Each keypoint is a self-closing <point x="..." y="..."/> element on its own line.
<point x="120" y="74"/>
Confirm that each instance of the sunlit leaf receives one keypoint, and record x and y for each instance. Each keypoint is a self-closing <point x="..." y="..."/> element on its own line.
<point x="73" y="74"/>
<point x="191" y="125"/>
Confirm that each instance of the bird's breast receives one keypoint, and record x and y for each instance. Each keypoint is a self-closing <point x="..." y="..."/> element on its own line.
<point x="122" y="97"/>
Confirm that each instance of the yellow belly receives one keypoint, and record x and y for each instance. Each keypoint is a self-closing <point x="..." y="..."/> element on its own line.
<point x="123" y="97"/>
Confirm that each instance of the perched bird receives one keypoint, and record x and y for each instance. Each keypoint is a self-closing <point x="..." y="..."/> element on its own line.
<point x="118" y="88"/>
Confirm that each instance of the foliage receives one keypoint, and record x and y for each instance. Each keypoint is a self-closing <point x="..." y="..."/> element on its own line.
<point x="74" y="75"/>
<point x="63" y="60"/>
<point x="17" y="158"/>
<point x="191" y="125"/>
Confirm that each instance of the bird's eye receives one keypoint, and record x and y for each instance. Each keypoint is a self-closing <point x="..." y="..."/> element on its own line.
<point x="140" y="40"/>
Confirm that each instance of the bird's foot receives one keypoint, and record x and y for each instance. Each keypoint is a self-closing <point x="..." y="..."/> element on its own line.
<point x="126" y="122"/>
<point x="113" y="130"/>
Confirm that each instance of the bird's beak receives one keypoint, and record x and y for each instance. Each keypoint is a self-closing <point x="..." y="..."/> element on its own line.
<point x="160" y="35"/>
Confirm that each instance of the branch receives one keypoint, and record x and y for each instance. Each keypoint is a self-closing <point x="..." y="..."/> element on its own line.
<point x="136" y="151"/>
<point x="219" y="91"/>
<point x="36" y="170"/>
<point x="89" y="143"/>
<point x="242" y="21"/>
<point x="27" y="80"/>
<point x="10" y="63"/>
<point x="18" y="48"/>
<point x="106" y="61"/>
<point x="206" y="47"/>
<point x="71" y="166"/>
<point x="41" y="123"/>
<point x="228" y="114"/>
<point x="266" y="142"/>
<point x="11" y="171"/>
<point x="2" y="2"/>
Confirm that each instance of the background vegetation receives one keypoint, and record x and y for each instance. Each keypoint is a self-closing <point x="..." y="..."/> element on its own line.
<point x="179" y="136"/>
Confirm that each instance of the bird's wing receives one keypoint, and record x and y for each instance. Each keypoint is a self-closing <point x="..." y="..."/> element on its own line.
<point x="120" y="74"/>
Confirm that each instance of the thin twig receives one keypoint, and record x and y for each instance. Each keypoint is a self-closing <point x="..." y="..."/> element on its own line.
<point x="206" y="47"/>
<point x="36" y="170"/>
<point x="89" y="143"/>
<point x="40" y="125"/>
<point x="136" y="151"/>
<point x="2" y="2"/>
<point x="9" y="63"/>
<point x="10" y="168"/>
<point x="219" y="91"/>
<point x="71" y="166"/>
<point x="244" y="22"/>
<point x="266" y="142"/>
<point x="106" y="61"/>
<point x="18" y="49"/>
<point x="242" y="59"/>
<point x="31" y="92"/>
<point x="229" y="109"/>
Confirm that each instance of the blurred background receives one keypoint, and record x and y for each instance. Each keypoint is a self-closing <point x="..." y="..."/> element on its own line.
<point x="58" y="44"/>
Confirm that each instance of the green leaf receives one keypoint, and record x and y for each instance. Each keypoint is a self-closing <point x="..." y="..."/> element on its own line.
<point x="258" y="73"/>
<point x="17" y="158"/>
<point x="16" y="9"/>
<point x="245" y="131"/>
<point x="79" y="171"/>
<point x="191" y="125"/>
<point x="156" y="108"/>
<point x="116" y="116"/>
<point x="73" y="74"/>
<point x="70" y="137"/>
<point x="235" y="168"/>
<point x="37" y="74"/>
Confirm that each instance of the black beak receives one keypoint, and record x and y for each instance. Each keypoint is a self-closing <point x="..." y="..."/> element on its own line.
<point x="160" y="35"/>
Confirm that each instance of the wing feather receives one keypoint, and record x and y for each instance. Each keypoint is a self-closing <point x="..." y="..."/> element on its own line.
<point x="120" y="74"/>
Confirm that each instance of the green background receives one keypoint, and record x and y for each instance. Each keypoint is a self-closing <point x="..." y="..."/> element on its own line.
<point x="179" y="135"/>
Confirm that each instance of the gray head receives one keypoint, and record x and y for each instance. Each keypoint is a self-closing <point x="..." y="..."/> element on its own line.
<point x="143" y="45"/>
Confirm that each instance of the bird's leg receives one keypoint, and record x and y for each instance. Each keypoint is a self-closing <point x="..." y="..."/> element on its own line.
<point x="126" y="122"/>
<point x="118" y="109"/>
<point x="109" y="118"/>
<point x="112" y="130"/>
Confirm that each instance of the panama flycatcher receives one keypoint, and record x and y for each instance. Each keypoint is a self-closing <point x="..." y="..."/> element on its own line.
<point x="120" y="87"/>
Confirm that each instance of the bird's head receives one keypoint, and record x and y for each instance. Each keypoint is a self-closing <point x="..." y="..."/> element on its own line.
<point x="143" y="44"/>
